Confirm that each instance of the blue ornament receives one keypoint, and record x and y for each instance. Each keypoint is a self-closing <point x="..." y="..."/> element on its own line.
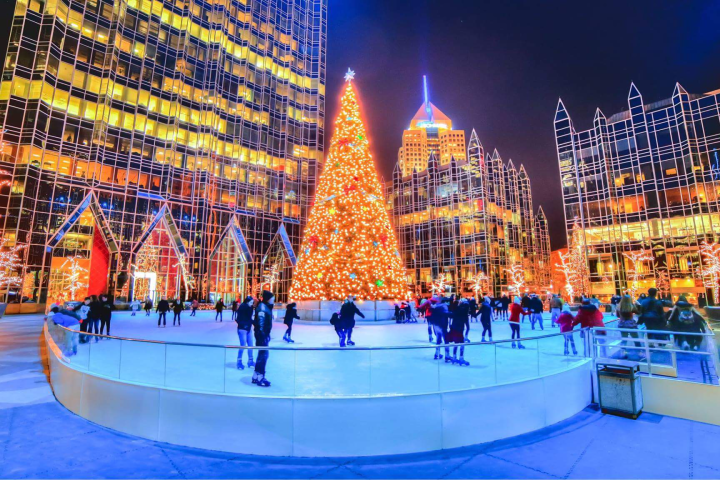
<point x="375" y="244"/>
<point x="337" y="231"/>
<point x="307" y="251"/>
<point x="353" y="276"/>
<point x="397" y="254"/>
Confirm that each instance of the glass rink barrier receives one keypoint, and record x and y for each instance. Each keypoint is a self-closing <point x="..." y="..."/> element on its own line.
<point x="687" y="356"/>
<point x="326" y="371"/>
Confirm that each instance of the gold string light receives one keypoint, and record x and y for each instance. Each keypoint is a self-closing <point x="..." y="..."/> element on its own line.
<point x="349" y="246"/>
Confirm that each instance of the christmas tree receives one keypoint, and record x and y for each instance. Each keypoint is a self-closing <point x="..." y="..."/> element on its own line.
<point x="349" y="246"/>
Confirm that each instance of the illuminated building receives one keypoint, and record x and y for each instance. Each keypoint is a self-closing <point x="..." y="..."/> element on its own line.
<point x="643" y="186"/>
<point x="171" y="146"/>
<point x="430" y="133"/>
<point x="466" y="217"/>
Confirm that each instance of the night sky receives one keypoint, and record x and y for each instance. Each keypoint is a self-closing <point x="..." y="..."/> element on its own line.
<point x="500" y="66"/>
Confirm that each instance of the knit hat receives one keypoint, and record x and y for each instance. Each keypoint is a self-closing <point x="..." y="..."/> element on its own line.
<point x="267" y="296"/>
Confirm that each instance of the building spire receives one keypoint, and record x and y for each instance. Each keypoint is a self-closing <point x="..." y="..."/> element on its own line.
<point x="426" y="95"/>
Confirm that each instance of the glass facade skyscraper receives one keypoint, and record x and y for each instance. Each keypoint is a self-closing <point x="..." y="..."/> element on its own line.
<point x="469" y="216"/>
<point x="159" y="147"/>
<point x="643" y="188"/>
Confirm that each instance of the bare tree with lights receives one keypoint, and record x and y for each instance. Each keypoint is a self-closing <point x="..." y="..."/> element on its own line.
<point x="481" y="283"/>
<point x="634" y="273"/>
<point x="516" y="277"/>
<point x="440" y="285"/>
<point x="74" y="276"/>
<point x="10" y="267"/>
<point x="710" y="269"/>
<point x="574" y="266"/>
<point x="662" y="282"/>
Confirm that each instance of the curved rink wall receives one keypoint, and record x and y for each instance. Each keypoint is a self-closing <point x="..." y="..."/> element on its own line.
<point x="408" y="407"/>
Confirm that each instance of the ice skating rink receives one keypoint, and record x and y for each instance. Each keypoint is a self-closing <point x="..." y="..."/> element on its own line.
<point x="388" y="359"/>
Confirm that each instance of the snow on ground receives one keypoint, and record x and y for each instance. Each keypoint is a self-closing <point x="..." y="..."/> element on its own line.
<point x="307" y="367"/>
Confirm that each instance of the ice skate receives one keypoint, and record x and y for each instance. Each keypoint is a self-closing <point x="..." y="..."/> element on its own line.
<point x="263" y="382"/>
<point x="251" y="363"/>
<point x="449" y="359"/>
<point x="463" y="363"/>
<point x="685" y="345"/>
<point x="351" y="343"/>
<point x="513" y="345"/>
<point x="521" y="346"/>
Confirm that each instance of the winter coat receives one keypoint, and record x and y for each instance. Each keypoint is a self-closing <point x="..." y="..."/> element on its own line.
<point x="460" y="320"/>
<point x="107" y="308"/>
<point x="194" y="304"/>
<point x="96" y="310"/>
<point x="535" y="305"/>
<point x="439" y="316"/>
<point x="163" y="306"/>
<point x="263" y="321"/>
<point x="219" y="306"/>
<point x="83" y="311"/>
<point x="135" y="306"/>
<point x="555" y="302"/>
<point x="290" y="314"/>
<point x="652" y="314"/>
<point x="677" y="324"/>
<point x="515" y="312"/>
<point x="64" y="318"/>
<point x="566" y="322"/>
<point x="627" y="319"/>
<point x="485" y="314"/>
<point x="347" y="315"/>
<point x="244" y="318"/>
<point x="505" y="302"/>
<point x="178" y="307"/>
<point x="589" y="316"/>
<point x="148" y="305"/>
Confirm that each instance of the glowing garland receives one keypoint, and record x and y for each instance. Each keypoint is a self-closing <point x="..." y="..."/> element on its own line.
<point x="710" y="269"/>
<point x="349" y="246"/>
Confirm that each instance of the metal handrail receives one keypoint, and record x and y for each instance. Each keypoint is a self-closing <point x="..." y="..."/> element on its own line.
<point x="352" y="349"/>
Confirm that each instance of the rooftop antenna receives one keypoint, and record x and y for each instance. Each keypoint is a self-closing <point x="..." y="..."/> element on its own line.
<point x="428" y="108"/>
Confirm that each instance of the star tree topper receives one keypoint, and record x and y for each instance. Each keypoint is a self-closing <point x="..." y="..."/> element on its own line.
<point x="350" y="75"/>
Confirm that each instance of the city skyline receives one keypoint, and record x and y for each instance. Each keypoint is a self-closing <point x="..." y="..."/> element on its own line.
<point x="526" y="56"/>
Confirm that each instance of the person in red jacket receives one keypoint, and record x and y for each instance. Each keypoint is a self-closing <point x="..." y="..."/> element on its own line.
<point x="515" y="312"/>
<point x="566" y="322"/>
<point x="588" y="317"/>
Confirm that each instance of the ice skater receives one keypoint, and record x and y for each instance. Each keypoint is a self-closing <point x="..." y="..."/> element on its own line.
<point x="438" y="319"/>
<point x="263" y="326"/>
<point x="347" y="320"/>
<point x="290" y="316"/>
<point x="566" y="321"/>
<point x="516" y="311"/>
<point x="535" y="306"/>
<point x="244" y="322"/>
<point x="162" y="308"/>
<point x="135" y="307"/>
<point x="177" y="308"/>
<point x="148" y="306"/>
<point x="460" y="323"/>
<point x="219" y="306"/>
<point x="486" y="313"/>
<point x="193" y="307"/>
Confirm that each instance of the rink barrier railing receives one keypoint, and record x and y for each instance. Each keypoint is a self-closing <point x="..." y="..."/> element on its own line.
<point x="319" y="372"/>
<point x="659" y="352"/>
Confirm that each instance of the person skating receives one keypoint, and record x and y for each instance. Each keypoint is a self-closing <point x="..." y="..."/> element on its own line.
<point x="505" y="305"/>
<point x="516" y="311"/>
<point x="589" y="316"/>
<point x="347" y="320"/>
<point x="177" y="309"/>
<point x="566" y="322"/>
<point x="193" y="307"/>
<point x="535" y="306"/>
<point x="106" y="314"/>
<point x="486" y="318"/>
<point x="163" y="307"/>
<point x="459" y="331"/>
<point x="652" y="314"/>
<point x="438" y="318"/>
<point x="219" y="306"/>
<point x="555" y="310"/>
<point x="148" y="306"/>
<point x="473" y="309"/>
<point x="244" y="320"/>
<point x="233" y="308"/>
<point x="263" y="326"/>
<point x="290" y="316"/>
<point x="135" y="307"/>
<point x="83" y="313"/>
<point x="426" y="311"/>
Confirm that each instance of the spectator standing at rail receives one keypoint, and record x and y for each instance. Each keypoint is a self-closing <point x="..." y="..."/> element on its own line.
<point x="95" y="315"/>
<point x="652" y="314"/>
<point x="83" y="312"/>
<point x="219" y="306"/>
<point x="263" y="326"/>
<point x="244" y="320"/>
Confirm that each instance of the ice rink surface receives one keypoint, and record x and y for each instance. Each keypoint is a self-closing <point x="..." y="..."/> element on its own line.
<point x="313" y="366"/>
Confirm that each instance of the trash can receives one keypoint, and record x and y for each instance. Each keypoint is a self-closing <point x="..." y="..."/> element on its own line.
<point x="619" y="388"/>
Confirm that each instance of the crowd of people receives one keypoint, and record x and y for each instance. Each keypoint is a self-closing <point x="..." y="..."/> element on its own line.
<point x="93" y="315"/>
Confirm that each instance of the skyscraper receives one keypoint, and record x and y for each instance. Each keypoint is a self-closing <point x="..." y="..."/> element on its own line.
<point x="160" y="148"/>
<point x="642" y="186"/>
<point x="430" y="133"/>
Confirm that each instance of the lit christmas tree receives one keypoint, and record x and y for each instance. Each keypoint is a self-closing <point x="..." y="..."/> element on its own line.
<point x="710" y="270"/>
<point x="75" y="277"/>
<point x="349" y="246"/>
